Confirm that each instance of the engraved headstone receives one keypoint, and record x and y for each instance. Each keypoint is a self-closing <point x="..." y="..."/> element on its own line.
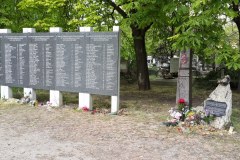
<point x="219" y="104"/>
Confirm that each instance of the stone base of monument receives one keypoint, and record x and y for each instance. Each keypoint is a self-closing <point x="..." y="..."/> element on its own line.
<point x="219" y="104"/>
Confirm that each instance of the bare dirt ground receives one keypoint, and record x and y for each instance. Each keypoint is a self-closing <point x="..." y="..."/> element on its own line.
<point x="41" y="133"/>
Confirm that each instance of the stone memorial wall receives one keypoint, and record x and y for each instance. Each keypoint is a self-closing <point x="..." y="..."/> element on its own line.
<point x="74" y="62"/>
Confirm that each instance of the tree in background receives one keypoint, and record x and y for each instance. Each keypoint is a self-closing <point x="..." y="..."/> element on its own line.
<point x="140" y="15"/>
<point x="43" y="14"/>
<point x="236" y="57"/>
<point x="10" y="16"/>
<point x="146" y="25"/>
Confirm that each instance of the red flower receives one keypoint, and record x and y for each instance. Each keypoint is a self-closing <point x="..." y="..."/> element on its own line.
<point x="181" y="101"/>
<point x="85" y="109"/>
<point x="93" y="111"/>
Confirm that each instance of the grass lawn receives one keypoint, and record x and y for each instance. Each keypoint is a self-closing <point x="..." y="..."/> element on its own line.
<point x="145" y="105"/>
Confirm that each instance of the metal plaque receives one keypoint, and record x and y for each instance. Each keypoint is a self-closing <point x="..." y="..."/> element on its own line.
<point x="215" y="108"/>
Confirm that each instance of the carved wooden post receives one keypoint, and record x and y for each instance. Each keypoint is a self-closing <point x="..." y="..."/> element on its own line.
<point x="184" y="83"/>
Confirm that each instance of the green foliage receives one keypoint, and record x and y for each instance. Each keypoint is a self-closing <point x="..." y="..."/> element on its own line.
<point x="127" y="48"/>
<point x="175" y="25"/>
<point x="200" y="25"/>
<point x="10" y="16"/>
<point x="68" y="14"/>
<point x="209" y="119"/>
<point x="230" y="56"/>
<point x="235" y="118"/>
<point x="43" y="14"/>
<point x="210" y="80"/>
<point x="142" y="12"/>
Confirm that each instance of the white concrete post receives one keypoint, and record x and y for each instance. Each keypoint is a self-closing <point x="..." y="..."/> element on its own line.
<point x="5" y="31"/>
<point x="6" y="91"/>
<point x="29" y="92"/>
<point x="56" y="98"/>
<point x="85" y="99"/>
<point x="115" y="99"/>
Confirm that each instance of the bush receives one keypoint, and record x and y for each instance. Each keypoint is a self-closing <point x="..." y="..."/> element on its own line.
<point x="210" y="80"/>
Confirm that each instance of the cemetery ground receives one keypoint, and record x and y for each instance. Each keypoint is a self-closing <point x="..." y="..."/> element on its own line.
<point x="42" y="132"/>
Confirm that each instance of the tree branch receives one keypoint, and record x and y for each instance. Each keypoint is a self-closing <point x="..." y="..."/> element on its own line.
<point x="126" y="2"/>
<point x="117" y="8"/>
<point x="111" y="14"/>
<point x="148" y="27"/>
<point x="235" y="7"/>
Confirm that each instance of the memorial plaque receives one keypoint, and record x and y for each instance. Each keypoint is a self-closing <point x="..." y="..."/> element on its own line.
<point x="70" y="61"/>
<point x="2" y="77"/>
<point x="15" y="59"/>
<point x="75" y="62"/>
<point x="215" y="108"/>
<point x="41" y="60"/>
<point x="184" y="78"/>
<point x="102" y="63"/>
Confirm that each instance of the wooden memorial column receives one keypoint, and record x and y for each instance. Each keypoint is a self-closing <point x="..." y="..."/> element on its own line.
<point x="184" y="82"/>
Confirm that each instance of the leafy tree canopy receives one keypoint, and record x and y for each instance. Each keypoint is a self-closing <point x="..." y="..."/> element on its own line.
<point x="200" y="26"/>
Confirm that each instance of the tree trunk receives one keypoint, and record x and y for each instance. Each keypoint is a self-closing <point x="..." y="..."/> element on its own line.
<point x="141" y="57"/>
<point x="237" y="21"/>
<point x="138" y="35"/>
<point x="238" y="89"/>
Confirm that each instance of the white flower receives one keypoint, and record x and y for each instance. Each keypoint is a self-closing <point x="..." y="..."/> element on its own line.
<point x="175" y="114"/>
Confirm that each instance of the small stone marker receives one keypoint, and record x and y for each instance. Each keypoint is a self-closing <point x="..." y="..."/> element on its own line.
<point x="219" y="104"/>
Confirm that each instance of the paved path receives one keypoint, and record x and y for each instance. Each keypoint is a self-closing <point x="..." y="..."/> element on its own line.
<point x="29" y="133"/>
